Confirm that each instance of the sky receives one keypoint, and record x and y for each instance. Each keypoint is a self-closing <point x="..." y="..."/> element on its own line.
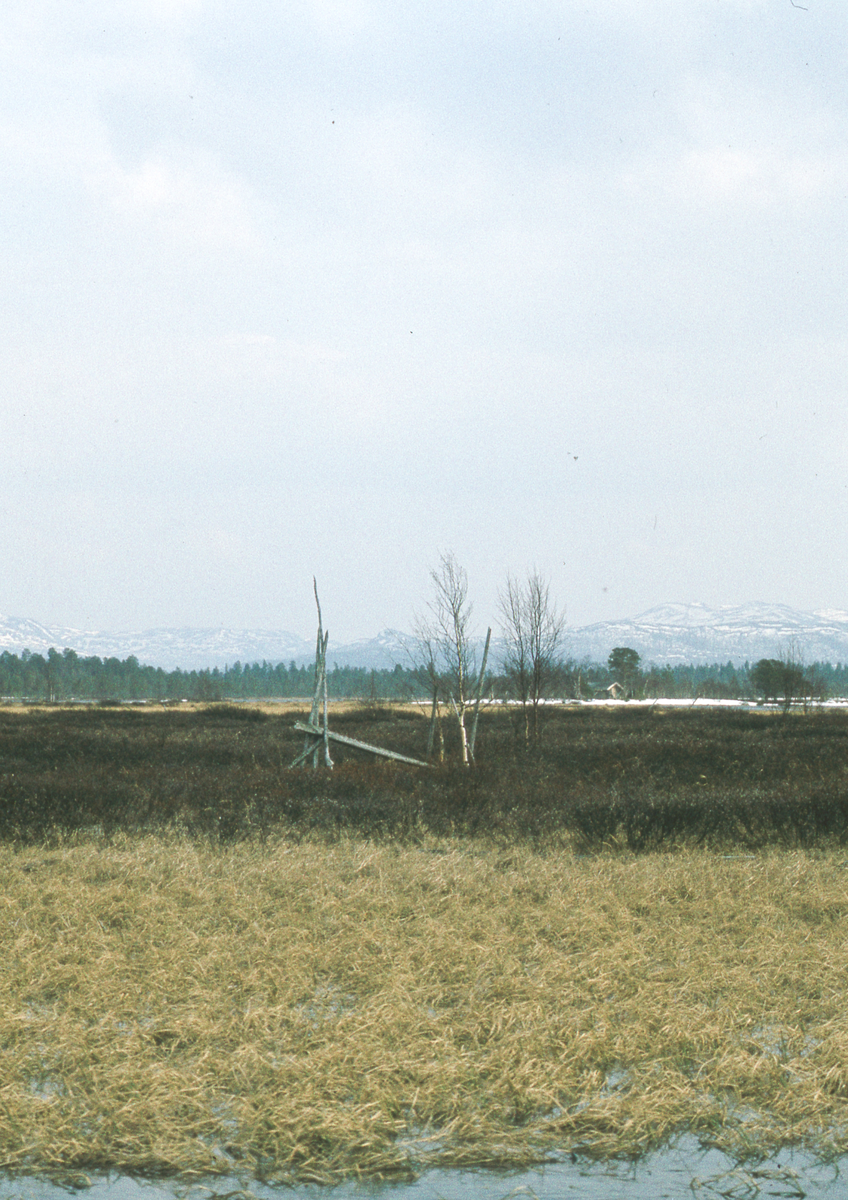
<point x="331" y="287"/>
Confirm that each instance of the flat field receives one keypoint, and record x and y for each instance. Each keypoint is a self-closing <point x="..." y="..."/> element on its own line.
<point x="252" y="968"/>
<point x="631" y="778"/>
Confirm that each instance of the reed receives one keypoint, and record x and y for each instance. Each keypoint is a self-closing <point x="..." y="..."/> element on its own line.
<point x="307" y="1008"/>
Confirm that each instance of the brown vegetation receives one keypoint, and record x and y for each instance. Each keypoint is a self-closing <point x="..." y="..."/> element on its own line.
<point x="302" y="1010"/>
<point x="632" y="778"/>
<point x="211" y="963"/>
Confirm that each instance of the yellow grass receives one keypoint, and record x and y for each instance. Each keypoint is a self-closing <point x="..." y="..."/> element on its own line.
<point x="308" y="1010"/>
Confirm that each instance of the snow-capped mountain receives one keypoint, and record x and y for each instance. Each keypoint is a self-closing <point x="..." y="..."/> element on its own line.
<point x="669" y="633"/>
<point x="375" y="654"/>
<point x="695" y="633"/>
<point x="187" y="648"/>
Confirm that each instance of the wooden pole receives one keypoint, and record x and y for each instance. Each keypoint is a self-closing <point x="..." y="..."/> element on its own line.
<point x="310" y="746"/>
<point x="315" y="732"/>
<point x="319" y="679"/>
<point x="480" y="682"/>
<point x="328" y="762"/>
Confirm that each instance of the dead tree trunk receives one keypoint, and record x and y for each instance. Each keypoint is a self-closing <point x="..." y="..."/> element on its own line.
<point x="314" y="731"/>
<point x="310" y="744"/>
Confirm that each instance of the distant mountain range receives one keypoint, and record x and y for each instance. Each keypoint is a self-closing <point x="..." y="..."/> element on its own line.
<point x="669" y="633"/>
<point x="693" y="633"/>
<point x="187" y="648"/>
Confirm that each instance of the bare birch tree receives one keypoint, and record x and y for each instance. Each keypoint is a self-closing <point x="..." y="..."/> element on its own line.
<point x="424" y="656"/>
<point x="532" y="629"/>
<point x="444" y="640"/>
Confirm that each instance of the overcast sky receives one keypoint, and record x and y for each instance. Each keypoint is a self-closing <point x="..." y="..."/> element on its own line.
<point x="297" y="287"/>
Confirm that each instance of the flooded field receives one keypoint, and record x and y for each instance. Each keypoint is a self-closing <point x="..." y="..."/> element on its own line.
<point x="671" y="1174"/>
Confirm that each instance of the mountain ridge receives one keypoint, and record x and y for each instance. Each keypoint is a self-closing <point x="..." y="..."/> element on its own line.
<point x="695" y="633"/>
<point x="672" y="633"/>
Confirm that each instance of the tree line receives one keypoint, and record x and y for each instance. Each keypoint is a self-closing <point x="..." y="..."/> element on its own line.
<point x="443" y="668"/>
<point x="66" y="675"/>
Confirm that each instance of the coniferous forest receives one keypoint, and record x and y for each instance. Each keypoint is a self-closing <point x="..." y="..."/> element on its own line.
<point x="64" y="676"/>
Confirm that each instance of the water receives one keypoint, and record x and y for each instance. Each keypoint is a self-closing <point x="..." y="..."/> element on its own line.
<point x="682" y="1171"/>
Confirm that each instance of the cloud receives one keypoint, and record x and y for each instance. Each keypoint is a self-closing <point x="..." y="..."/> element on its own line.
<point x="194" y="201"/>
<point x="340" y="15"/>
<point x="758" y="179"/>
<point x="166" y="11"/>
<point x="63" y="116"/>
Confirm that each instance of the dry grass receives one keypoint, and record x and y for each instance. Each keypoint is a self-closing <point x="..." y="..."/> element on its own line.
<point x="304" y="1010"/>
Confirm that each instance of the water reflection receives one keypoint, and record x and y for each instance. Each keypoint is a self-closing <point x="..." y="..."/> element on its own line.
<point x="671" y="1174"/>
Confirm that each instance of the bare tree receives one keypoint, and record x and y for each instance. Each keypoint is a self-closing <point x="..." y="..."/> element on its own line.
<point x="444" y="642"/>
<point x="532" y="629"/>
<point x="424" y="655"/>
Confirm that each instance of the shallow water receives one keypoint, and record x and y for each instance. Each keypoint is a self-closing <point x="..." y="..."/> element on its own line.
<point x="671" y="1174"/>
